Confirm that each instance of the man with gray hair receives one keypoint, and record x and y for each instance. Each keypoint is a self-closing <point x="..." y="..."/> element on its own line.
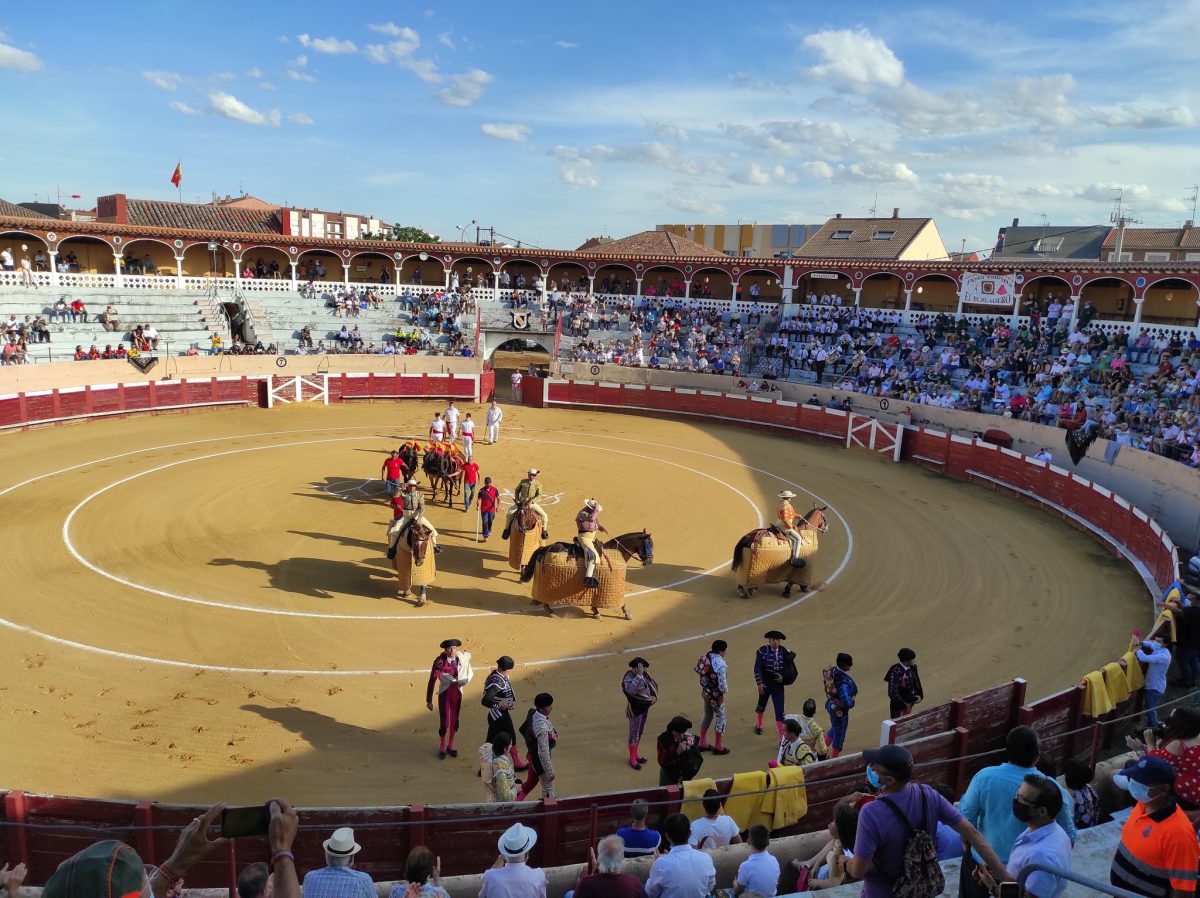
<point x="338" y="878"/>
<point x="603" y="876"/>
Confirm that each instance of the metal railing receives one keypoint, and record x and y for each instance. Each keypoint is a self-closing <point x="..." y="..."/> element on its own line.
<point x="1071" y="876"/>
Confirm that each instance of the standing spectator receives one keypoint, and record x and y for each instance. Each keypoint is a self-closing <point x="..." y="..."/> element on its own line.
<point x="422" y="876"/>
<point x="514" y="878"/>
<point x="451" y="671"/>
<point x="675" y="758"/>
<point x="496" y="768"/>
<point x="638" y="837"/>
<point x="6" y="259"/>
<point x="470" y="472"/>
<point x="988" y="803"/>
<point x="500" y="698"/>
<point x="903" y="811"/>
<point x="603" y="877"/>
<point x="714" y="686"/>
<point x="1157" y="656"/>
<point x="338" y="878"/>
<point x="27" y="273"/>
<point x="641" y="692"/>
<point x="1158" y="854"/>
<point x="1043" y="841"/>
<point x="516" y="386"/>
<point x="840" y="690"/>
<point x="392" y="473"/>
<point x="683" y="872"/>
<point x="903" y="684"/>
<point x="758" y="873"/>
<point x="494" y="416"/>
<point x="540" y="739"/>
<point x="488" y="501"/>
<point x="769" y="663"/>
<point x="714" y="829"/>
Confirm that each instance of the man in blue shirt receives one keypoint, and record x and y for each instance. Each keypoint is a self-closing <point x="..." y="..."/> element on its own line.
<point x="1037" y="803"/>
<point x="639" y="839"/>
<point x="988" y="804"/>
<point x="1158" y="658"/>
<point x="338" y="878"/>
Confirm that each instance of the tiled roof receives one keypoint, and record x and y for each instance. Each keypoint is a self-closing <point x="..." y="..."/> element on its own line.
<point x="218" y="219"/>
<point x="593" y="243"/>
<point x="860" y="242"/>
<point x="12" y="210"/>
<point x="653" y="243"/>
<point x="1155" y="238"/>
<point x="1072" y="241"/>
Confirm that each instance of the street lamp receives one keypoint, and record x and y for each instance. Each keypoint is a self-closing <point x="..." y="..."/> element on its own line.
<point x="462" y="232"/>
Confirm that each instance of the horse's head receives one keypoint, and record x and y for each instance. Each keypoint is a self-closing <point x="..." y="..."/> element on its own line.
<point x="816" y="519"/>
<point x="646" y="549"/>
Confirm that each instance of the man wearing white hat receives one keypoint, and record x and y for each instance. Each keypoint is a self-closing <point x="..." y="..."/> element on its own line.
<point x="528" y="490"/>
<point x="338" y="878"/>
<point x="785" y="520"/>
<point x="515" y="879"/>
<point x="587" y="522"/>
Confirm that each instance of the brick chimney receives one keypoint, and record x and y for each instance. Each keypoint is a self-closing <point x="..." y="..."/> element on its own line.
<point x="838" y="215"/>
<point x="112" y="209"/>
<point x="896" y="212"/>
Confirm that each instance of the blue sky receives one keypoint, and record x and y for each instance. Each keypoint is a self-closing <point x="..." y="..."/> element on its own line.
<point x="554" y="122"/>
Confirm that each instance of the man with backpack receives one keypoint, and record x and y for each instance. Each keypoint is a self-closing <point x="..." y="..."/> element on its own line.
<point x="714" y="685"/>
<point x="840" y="692"/>
<point x="894" y="850"/>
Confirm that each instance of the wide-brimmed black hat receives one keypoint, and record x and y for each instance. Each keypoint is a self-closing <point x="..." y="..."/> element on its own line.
<point x="639" y="660"/>
<point x="446" y="643"/>
<point x="774" y="634"/>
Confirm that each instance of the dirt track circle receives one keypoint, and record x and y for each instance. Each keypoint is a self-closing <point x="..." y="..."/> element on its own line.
<point x="206" y="612"/>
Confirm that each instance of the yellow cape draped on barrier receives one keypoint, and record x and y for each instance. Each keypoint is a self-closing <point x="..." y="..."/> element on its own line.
<point x="1133" y="671"/>
<point x="746" y="810"/>
<point x="1095" y="699"/>
<point x="786" y="805"/>
<point x="1116" y="682"/>
<point x="693" y="791"/>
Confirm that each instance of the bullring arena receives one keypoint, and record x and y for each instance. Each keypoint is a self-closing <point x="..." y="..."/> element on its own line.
<point x="205" y="611"/>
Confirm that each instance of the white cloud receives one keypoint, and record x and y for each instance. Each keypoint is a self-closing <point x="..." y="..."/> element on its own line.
<point x="669" y="130"/>
<point x="330" y="45"/>
<point x="566" y="45"/>
<point x="1142" y="117"/>
<point x="446" y="40"/>
<point x="391" y="29"/>
<point x="224" y="76"/>
<point x="758" y="176"/>
<point x="255" y="72"/>
<point x="230" y="107"/>
<point x="514" y="132"/>
<point x="464" y="89"/>
<point x="299" y="62"/>
<point x="21" y="60"/>
<point x="165" y="80"/>
<point x="1133" y="196"/>
<point x="573" y="168"/>
<point x="882" y="172"/>
<point x="693" y="204"/>
<point x="300" y="119"/>
<point x="425" y="69"/>
<point x="265" y="85"/>
<point x="184" y="108"/>
<point x="822" y="170"/>
<point x="300" y="76"/>
<point x="856" y="57"/>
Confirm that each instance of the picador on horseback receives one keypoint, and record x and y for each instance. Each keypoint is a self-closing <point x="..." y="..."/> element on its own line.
<point x="527" y="493"/>
<point x="587" y="522"/>
<point x="414" y="509"/>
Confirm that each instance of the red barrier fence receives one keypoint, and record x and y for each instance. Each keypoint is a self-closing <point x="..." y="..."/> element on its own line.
<point x="949" y="742"/>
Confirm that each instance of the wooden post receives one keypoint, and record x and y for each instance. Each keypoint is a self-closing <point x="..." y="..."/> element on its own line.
<point x="416" y="815"/>
<point x="962" y="739"/>
<point x="233" y="870"/>
<point x="143" y="818"/>
<point x="1018" y="706"/>
<point x="1073" y="721"/>
<point x="1094" y="756"/>
<point x="594" y="825"/>
<point x="16" y="814"/>
<point x="552" y="824"/>
<point x="958" y="712"/>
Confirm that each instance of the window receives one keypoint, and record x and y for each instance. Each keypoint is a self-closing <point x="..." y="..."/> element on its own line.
<point x="1191" y="257"/>
<point x="1048" y="245"/>
<point x="1120" y="257"/>
<point x="883" y="235"/>
<point x="841" y="235"/>
<point x="1158" y="257"/>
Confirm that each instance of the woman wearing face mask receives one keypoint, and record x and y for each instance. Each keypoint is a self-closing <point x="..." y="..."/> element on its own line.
<point x="1159" y="852"/>
<point x="1043" y="841"/>
<point x="1179" y="746"/>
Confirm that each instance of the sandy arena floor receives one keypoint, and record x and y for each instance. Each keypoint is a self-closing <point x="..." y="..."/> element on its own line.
<point x="198" y="606"/>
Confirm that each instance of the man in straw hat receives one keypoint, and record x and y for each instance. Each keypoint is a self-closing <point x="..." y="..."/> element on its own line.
<point x="785" y="519"/>
<point x="414" y="509"/>
<point x="587" y="522"/>
<point x="514" y="878"/>
<point x="338" y="878"/>
<point x="451" y="671"/>
<point x="528" y="490"/>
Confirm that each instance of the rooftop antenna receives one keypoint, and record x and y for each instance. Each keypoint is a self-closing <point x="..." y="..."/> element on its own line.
<point x="875" y="205"/>
<point x="1195" y="196"/>
<point x="1121" y="218"/>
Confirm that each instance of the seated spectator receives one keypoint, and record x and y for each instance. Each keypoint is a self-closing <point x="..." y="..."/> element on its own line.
<point x="422" y="876"/>
<point x="513" y="878"/>
<point x="109" y="318"/>
<point x="1085" y="803"/>
<point x="150" y="332"/>
<point x="79" y="311"/>
<point x="758" y="874"/>
<point x="80" y="354"/>
<point x="60" y="311"/>
<point x="714" y="829"/>
<point x="639" y="839"/>
<point x="683" y="872"/>
<point x="826" y="869"/>
<point x="603" y="877"/>
<point x="338" y="878"/>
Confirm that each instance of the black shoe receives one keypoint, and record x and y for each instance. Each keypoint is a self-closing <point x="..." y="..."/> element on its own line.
<point x="758" y="731"/>
<point x="504" y="535"/>
<point x="591" y="582"/>
<point x="452" y="752"/>
<point x="787" y="591"/>
<point x="799" y="563"/>
<point x="641" y="760"/>
<point x="437" y="550"/>
<point x="391" y="553"/>
<point x="441" y="755"/>
<point x="720" y="751"/>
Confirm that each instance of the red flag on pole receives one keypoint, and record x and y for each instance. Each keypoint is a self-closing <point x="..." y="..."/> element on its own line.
<point x="178" y="176"/>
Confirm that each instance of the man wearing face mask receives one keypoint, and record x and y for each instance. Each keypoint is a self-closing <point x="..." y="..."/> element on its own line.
<point x="987" y="804"/>
<point x="1157" y="657"/>
<point x="899" y="808"/>
<point x="1036" y="804"/>
<point x="1159" y="854"/>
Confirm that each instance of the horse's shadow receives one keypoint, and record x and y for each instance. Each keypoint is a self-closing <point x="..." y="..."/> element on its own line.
<point x="319" y="578"/>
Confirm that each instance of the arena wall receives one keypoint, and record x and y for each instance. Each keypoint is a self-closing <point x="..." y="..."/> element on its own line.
<point x="949" y="742"/>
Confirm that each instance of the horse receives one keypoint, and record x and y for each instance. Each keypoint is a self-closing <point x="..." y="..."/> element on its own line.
<point x="444" y="471"/>
<point x="557" y="573"/>
<point x="409" y="455"/>
<point x="415" y="564"/>
<point x="526" y="536"/>
<point x="771" y="553"/>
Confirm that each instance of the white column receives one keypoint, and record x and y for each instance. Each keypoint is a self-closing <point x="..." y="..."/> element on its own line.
<point x="1075" y="302"/>
<point x="446" y="278"/>
<point x="1137" y="311"/>
<point x="959" y="311"/>
<point x="293" y="267"/>
<point x="592" y="286"/>
<point x="237" y="268"/>
<point x="496" y="286"/>
<point x="346" y="275"/>
<point x="118" y="280"/>
<point x="788" y="297"/>
<point x="53" y="268"/>
<point x="639" y="286"/>
<point x="687" y="289"/>
<point x="179" y="272"/>
<point x="907" y="299"/>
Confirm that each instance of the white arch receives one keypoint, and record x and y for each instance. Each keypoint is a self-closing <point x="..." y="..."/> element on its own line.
<point x="1108" y="277"/>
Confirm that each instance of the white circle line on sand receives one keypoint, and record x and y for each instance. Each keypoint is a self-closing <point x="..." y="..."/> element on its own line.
<point x="132" y="584"/>
<point x="305" y="672"/>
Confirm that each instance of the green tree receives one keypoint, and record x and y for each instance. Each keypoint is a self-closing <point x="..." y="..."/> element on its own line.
<point x="409" y="234"/>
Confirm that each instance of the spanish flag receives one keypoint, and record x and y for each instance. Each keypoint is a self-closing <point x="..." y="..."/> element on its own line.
<point x="178" y="176"/>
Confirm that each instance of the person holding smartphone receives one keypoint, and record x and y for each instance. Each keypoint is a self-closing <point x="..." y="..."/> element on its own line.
<point x="1043" y="841"/>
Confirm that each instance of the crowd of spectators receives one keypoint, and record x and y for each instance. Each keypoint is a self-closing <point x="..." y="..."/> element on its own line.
<point x="434" y="325"/>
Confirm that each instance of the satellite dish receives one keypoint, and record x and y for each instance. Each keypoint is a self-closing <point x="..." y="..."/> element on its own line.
<point x="424" y="257"/>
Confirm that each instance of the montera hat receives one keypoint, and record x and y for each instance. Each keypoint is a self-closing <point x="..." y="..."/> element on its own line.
<point x="774" y="634"/>
<point x="341" y="843"/>
<point x="504" y="662"/>
<point x="446" y="643"/>
<point x="517" y="841"/>
<point x="639" y="660"/>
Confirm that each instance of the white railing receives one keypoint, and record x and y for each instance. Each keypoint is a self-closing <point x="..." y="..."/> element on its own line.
<point x="146" y="282"/>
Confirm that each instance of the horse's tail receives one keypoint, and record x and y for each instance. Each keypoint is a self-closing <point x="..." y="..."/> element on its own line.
<point x="737" y="552"/>
<point x="535" y="559"/>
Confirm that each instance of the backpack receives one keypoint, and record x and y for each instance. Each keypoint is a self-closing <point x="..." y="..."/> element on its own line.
<point x="920" y="874"/>
<point x="831" y="690"/>
<point x="708" y="676"/>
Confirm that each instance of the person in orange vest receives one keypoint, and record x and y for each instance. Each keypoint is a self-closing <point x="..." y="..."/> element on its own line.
<point x="786" y="518"/>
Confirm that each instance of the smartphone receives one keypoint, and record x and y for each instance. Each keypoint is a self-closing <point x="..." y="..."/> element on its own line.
<point x="238" y="822"/>
<point x="1009" y="890"/>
